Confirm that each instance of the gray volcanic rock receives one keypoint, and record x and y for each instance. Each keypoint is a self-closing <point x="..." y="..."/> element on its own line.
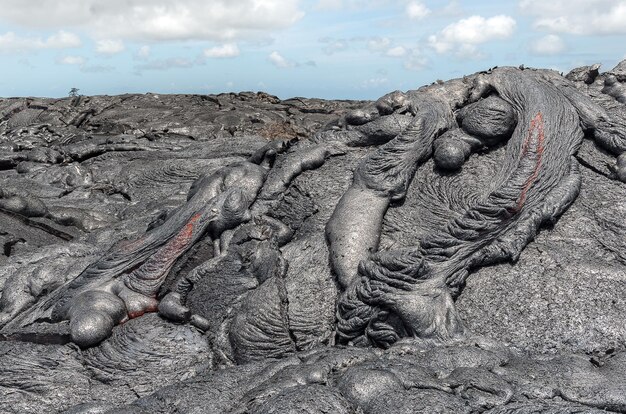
<point x="407" y="378"/>
<point x="567" y="290"/>
<point x="460" y="248"/>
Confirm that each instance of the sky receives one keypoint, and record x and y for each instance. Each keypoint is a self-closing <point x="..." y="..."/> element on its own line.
<point x="333" y="49"/>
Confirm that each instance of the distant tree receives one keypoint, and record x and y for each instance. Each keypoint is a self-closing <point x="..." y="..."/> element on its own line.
<point x="73" y="92"/>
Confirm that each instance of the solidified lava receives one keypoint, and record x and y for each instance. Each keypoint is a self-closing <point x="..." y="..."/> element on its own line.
<point x="239" y="253"/>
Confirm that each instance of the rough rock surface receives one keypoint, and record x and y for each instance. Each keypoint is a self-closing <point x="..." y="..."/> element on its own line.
<point x="459" y="248"/>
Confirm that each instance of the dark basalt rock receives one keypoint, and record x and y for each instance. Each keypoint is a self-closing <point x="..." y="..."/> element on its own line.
<point x="458" y="248"/>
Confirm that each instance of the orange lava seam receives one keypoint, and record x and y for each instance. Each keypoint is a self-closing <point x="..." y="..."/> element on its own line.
<point x="536" y="126"/>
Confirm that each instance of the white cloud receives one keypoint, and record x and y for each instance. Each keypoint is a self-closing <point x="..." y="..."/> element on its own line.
<point x="82" y="64"/>
<point x="374" y="83"/>
<point x="332" y="46"/>
<point x="415" y="61"/>
<point x="279" y="61"/>
<point x="72" y="60"/>
<point x="378" y="44"/>
<point x="583" y="17"/>
<point x="416" y="10"/>
<point x="463" y="36"/>
<point x="334" y="5"/>
<point x="153" y="20"/>
<point x="96" y="69"/>
<point x="453" y="8"/>
<point x="63" y="40"/>
<point x="109" y="47"/>
<point x="60" y="40"/>
<point x="143" y="52"/>
<point x="385" y="47"/>
<point x="382" y="46"/>
<point x="170" y="63"/>
<point x="227" y="50"/>
<point x="548" y="45"/>
<point x="397" y="51"/>
<point x="470" y="52"/>
<point x="328" y="5"/>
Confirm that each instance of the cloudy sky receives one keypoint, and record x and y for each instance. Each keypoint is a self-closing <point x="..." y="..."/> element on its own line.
<point x="353" y="49"/>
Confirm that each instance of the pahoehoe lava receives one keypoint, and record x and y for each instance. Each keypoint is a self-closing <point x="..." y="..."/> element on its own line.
<point x="455" y="248"/>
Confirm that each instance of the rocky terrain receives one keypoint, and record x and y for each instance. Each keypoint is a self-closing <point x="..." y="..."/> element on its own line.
<point x="238" y="253"/>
